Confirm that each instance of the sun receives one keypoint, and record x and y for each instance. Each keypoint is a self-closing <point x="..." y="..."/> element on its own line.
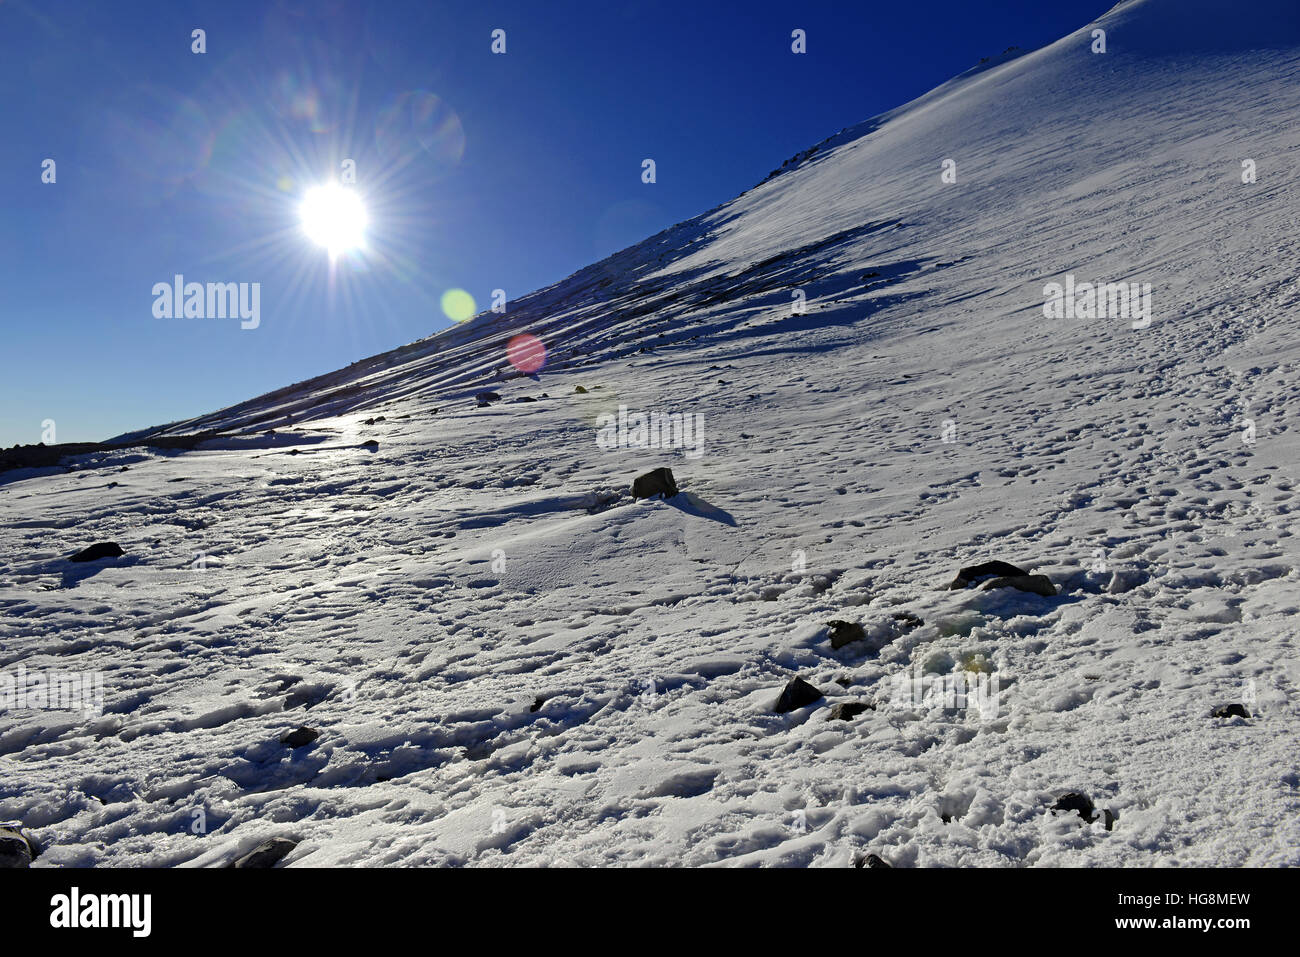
<point x="334" y="217"/>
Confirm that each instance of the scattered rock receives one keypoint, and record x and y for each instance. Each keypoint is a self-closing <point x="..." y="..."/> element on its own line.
<point x="658" y="482"/>
<point x="97" y="551"/>
<point x="974" y="573"/>
<point x="796" y="694"/>
<point x="848" y="710"/>
<point x="485" y="397"/>
<point x="579" y="390"/>
<point x="1080" y="803"/>
<point x="370" y="444"/>
<point x="15" y="851"/>
<point x="1037" y="584"/>
<point x="299" y="737"/>
<point x="845" y="632"/>
<point x="1233" y="710"/>
<point x="906" y="621"/>
<point x="267" y="854"/>
<point x="872" y="860"/>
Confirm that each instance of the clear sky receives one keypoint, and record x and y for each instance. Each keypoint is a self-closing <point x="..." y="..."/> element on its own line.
<point x="479" y="170"/>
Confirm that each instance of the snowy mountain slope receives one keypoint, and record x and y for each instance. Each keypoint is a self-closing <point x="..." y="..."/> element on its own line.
<point x="510" y="664"/>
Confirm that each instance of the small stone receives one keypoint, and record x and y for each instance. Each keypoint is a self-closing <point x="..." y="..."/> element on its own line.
<point x="579" y="390"/>
<point x="872" y="860"/>
<point x="658" y="482"/>
<point x="973" y="573"/>
<point x="537" y="705"/>
<point x="97" y="551"/>
<point x="845" y="632"/>
<point x="1080" y="803"/>
<point x="267" y="854"/>
<point x="847" y="710"/>
<point x="1037" y="584"/>
<point x="796" y="694"/>
<point x="485" y="397"/>
<point x="1233" y="710"/>
<point x="15" y="851"/>
<point x="299" y="737"/>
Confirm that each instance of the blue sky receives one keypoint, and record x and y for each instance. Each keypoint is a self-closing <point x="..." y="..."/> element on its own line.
<point x="479" y="171"/>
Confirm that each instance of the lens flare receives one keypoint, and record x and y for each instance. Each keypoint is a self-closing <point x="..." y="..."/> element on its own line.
<point x="458" y="305"/>
<point x="526" y="353"/>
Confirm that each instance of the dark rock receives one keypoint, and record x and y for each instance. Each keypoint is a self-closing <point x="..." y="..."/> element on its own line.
<point x="907" y="621"/>
<point x="267" y="854"/>
<point x="1233" y="710"/>
<point x="537" y="705"/>
<point x="370" y="444"/>
<point x="658" y="482"/>
<point x="845" y="632"/>
<point x="847" y="710"/>
<point x="796" y="694"/>
<point x="525" y="398"/>
<point x="974" y="573"/>
<point x="299" y="737"/>
<point x="1080" y="803"/>
<point x="97" y="551"/>
<point x="484" y="397"/>
<point x="1110" y="819"/>
<point x="579" y="390"/>
<point x="1037" y="584"/>
<point x="872" y="860"/>
<point x="15" y="851"/>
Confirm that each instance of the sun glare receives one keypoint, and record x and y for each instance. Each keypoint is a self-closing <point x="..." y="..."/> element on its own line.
<point x="334" y="217"/>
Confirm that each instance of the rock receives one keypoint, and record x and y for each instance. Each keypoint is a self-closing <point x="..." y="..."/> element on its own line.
<point x="97" y="551"/>
<point x="537" y="705"/>
<point x="15" y="851"/>
<point x="1110" y="819"/>
<point x="1037" y="584"/>
<point x="974" y="573"/>
<point x="370" y="444"/>
<point x="1074" y="801"/>
<point x="847" y="710"/>
<point x="1233" y="710"/>
<point x="579" y="390"/>
<point x="906" y="621"/>
<point x="796" y="694"/>
<point x="299" y="737"/>
<point x="658" y="482"/>
<point x="267" y="854"/>
<point x="845" y="632"/>
<point x="872" y="860"/>
<point x="485" y="397"/>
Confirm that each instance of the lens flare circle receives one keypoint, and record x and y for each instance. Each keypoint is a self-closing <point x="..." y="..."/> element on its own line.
<point x="334" y="217"/>
<point x="526" y="353"/>
<point x="458" y="305"/>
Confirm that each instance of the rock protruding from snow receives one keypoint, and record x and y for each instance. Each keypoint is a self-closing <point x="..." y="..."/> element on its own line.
<point x="848" y="710"/>
<point x="1037" y="584"/>
<point x="796" y="694"/>
<point x="98" y="551"/>
<point x="1079" y="803"/>
<point x="975" y="573"/>
<point x="1233" y="710"/>
<point x="658" y="482"/>
<point x="845" y="633"/>
<point x="267" y="854"/>
<point x="872" y="860"/>
<point x="15" y="851"/>
<point x="299" y="737"/>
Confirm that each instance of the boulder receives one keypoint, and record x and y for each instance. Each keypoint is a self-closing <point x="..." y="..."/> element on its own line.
<point x="845" y="633"/>
<point x="267" y="854"/>
<point x="1079" y="803"/>
<point x="974" y="573"/>
<point x="872" y="860"/>
<point x="796" y="694"/>
<point x="847" y="710"/>
<point x="1233" y="710"/>
<point x="97" y="551"/>
<point x="299" y="737"/>
<point x="1037" y="584"/>
<point x="658" y="482"/>
<point x="15" y="851"/>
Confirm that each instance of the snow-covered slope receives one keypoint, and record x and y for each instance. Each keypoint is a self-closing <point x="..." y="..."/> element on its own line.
<point x="510" y="662"/>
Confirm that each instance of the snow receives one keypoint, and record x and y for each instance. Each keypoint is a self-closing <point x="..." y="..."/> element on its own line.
<point x="426" y="594"/>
